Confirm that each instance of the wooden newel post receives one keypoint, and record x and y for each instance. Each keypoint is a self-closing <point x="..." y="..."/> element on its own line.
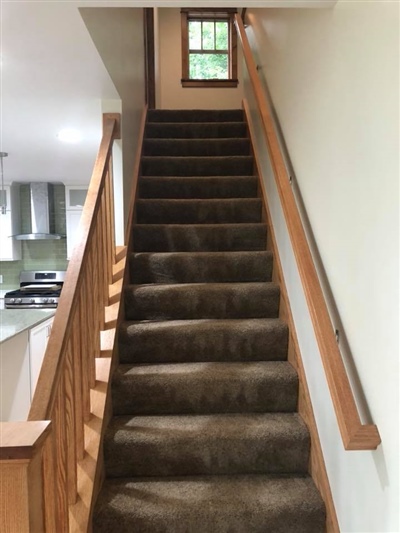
<point x="21" y="476"/>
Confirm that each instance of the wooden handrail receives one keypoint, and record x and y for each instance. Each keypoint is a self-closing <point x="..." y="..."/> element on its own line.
<point x="355" y="435"/>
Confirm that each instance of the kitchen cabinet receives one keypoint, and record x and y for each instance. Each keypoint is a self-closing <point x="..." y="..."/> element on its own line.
<point x="75" y="196"/>
<point x="21" y="358"/>
<point x="38" y="339"/>
<point x="10" y="248"/>
<point x="15" y="398"/>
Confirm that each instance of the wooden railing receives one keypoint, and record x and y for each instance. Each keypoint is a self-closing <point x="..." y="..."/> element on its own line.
<point x="355" y="435"/>
<point x="48" y="464"/>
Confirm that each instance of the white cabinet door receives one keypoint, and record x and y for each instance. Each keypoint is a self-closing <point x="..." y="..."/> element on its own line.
<point x="6" y="242"/>
<point x="38" y="339"/>
<point x="75" y="196"/>
<point x="15" y="397"/>
<point x="73" y="218"/>
<point x="10" y="249"/>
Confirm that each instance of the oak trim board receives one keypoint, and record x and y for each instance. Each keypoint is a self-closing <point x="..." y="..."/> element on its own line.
<point x="317" y="467"/>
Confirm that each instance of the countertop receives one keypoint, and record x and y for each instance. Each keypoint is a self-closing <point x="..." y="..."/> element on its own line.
<point x="14" y="321"/>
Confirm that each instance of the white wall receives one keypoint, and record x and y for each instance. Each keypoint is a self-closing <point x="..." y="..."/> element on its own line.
<point x="172" y="95"/>
<point x="334" y="80"/>
<point x="118" y="36"/>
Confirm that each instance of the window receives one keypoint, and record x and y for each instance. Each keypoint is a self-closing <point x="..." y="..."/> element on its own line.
<point x="209" y="48"/>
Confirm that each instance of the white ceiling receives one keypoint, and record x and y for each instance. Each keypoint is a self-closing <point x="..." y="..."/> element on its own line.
<point x="52" y="77"/>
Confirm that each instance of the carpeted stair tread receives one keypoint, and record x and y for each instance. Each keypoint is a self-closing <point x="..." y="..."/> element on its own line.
<point x="240" y="165"/>
<point x="200" y="267"/>
<point x="210" y="211"/>
<point x="200" y="388"/>
<point x="202" y="300"/>
<point x="196" y="147"/>
<point x="199" y="237"/>
<point x="205" y="436"/>
<point x="193" y="130"/>
<point x="194" y="115"/>
<point x="198" y="187"/>
<point x="203" y="340"/>
<point x="210" y="504"/>
<point x="206" y="444"/>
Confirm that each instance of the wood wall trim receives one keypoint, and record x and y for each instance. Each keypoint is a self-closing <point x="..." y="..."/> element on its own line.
<point x="184" y="46"/>
<point x="355" y="435"/>
<point x="317" y="467"/>
<point x="149" y="57"/>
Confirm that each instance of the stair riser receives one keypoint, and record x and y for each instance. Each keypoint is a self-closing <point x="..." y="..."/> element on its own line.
<point x="183" y="187"/>
<point x="196" y="147"/>
<point x="194" y="238"/>
<point x="209" y="130"/>
<point x="197" y="166"/>
<point x="202" y="392"/>
<point x="172" y="448"/>
<point x="200" y="268"/>
<point x="203" y="341"/>
<point x="198" y="211"/>
<point x="196" y="302"/>
<point x="201" y="115"/>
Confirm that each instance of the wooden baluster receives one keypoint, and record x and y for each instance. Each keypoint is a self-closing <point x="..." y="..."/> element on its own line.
<point x="102" y="295"/>
<point x="104" y="239"/>
<point x="61" y="473"/>
<point x="70" y="410"/>
<point x="91" y="323"/>
<point x="108" y="228"/>
<point x="103" y="230"/>
<point x="110" y="210"/>
<point x="76" y="349"/>
<point x="85" y="349"/>
<point x="95" y="316"/>
<point x="51" y="514"/>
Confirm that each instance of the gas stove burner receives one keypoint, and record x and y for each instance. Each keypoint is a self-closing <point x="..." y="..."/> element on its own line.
<point x="38" y="290"/>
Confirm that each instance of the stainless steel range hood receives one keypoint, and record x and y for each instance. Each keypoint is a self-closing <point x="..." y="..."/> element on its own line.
<point x="42" y="217"/>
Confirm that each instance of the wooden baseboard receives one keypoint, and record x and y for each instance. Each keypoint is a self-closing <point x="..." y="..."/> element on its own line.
<point x="317" y="467"/>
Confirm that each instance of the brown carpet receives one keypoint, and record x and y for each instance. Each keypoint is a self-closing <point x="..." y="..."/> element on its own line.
<point x="205" y="437"/>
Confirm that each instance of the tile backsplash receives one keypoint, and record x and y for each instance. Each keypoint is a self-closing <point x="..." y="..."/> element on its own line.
<point x="40" y="254"/>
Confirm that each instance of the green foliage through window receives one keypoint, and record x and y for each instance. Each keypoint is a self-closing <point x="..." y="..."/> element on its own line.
<point x="208" y="49"/>
<point x="208" y="66"/>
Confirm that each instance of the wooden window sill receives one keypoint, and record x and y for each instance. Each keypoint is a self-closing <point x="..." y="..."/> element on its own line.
<point x="209" y="83"/>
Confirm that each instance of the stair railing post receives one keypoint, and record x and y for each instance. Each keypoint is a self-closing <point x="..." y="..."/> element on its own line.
<point x="22" y="507"/>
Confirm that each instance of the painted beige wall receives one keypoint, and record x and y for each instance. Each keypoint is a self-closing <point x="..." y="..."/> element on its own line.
<point x="171" y="93"/>
<point x="334" y="79"/>
<point x="118" y="36"/>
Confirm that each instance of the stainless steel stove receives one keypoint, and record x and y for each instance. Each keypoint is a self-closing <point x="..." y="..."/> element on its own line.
<point x="38" y="290"/>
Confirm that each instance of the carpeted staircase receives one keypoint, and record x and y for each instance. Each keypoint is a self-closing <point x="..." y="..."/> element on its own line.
<point x="205" y="437"/>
